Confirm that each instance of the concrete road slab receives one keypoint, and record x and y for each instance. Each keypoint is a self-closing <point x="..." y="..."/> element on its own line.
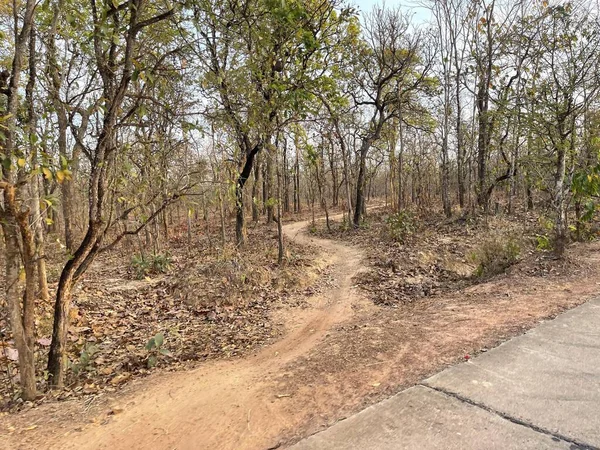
<point x="549" y="377"/>
<point x="422" y="418"/>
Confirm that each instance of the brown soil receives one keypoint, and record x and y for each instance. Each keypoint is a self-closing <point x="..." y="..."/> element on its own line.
<point x="212" y="303"/>
<point x="338" y="355"/>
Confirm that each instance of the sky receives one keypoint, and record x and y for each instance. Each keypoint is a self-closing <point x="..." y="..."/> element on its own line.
<point x="420" y="14"/>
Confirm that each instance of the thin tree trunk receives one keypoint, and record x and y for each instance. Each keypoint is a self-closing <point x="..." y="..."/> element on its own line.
<point x="67" y="200"/>
<point x="255" y="188"/>
<point x="560" y="202"/>
<point x="286" y="179"/>
<point x="240" y="232"/>
<point x="34" y="185"/>
<point x="297" y="203"/>
<point x="280" y="243"/>
<point x="270" y="156"/>
<point x="21" y="335"/>
<point x="400" y="165"/>
<point x="360" y="182"/>
<point x="13" y="220"/>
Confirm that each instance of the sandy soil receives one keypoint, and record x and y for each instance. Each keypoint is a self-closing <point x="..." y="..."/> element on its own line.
<point x="228" y="404"/>
<point x="339" y="355"/>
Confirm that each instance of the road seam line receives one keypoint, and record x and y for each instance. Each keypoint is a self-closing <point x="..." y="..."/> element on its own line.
<point x="538" y="429"/>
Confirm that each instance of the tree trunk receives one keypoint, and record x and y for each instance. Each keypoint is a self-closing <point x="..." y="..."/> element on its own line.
<point x="445" y="158"/>
<point x="560" y="224"/>
<point x="22" y="336"/>
<point x="360" y="182"/>
<point x="255" y="188"/>
<point x="39" y="242"/>
<point x="270" y="155"/>
<point x="12" y="219"/>
<point x="446" y="179"/>
<point x="70" y="274"/>
<point x="334" y="175"/>
<point x="55" y="85"/>
<point x="286" y="179"/>
<point x="482" y="140"/>
<point x="222" y="217"/>
<point x="280" y="243"/>
<point x="29" y="297"/>
<point x="240" y="232"/>
<point x="400" y="166"/>
<point x="34" y="184"/>
<point x="483" y="116"/>
<point x="297" y="203"/>
<point x="460" y="152"/>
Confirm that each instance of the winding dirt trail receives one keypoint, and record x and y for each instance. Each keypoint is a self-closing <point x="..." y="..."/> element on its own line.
<point x="229" y="404"/>
<point x="340" y="354"/>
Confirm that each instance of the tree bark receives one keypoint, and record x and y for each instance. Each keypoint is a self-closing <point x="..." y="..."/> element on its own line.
<point x="560" y="224"/>
<point x="240" y="232"/>
<point x="360" y="182"/>
<point x="255" y="189"/>
<point x="114" y="89"/>
<point x="13" y="218"/>
<point x="297" y="202"/>
<point x="280" y="242"/>
<point x="270" y="156"/>
<point x="400" y="165"/>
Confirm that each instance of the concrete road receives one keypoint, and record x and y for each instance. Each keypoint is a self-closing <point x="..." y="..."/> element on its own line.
<point x="536" y="391"/>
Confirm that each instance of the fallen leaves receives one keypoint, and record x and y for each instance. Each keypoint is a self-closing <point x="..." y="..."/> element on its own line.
<point x="211" y="305"/>
<point x="433" y="261"/>
<point x="120" y="378"/>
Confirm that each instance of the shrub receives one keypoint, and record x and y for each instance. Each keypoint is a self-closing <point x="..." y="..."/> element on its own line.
<point x="84" y="363"/>
<point x="401" y="225"/>
<point x="143" y="266"/>
<point x="543" y="242"/>
<point x="155" y="349"/>
<point x="160" y="262"/>
<point x="345" y="225"/>
<point x="495" y="256"/>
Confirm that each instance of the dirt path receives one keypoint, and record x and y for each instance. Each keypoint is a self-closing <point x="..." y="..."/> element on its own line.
<point x="228" y="404"/>
<point x="340" y="354"/>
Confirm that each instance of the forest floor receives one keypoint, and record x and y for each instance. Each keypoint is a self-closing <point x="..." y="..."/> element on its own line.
<point x="362" y="319"/>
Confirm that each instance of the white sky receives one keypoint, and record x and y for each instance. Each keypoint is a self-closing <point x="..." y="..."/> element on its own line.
<point x="420" y="14"/>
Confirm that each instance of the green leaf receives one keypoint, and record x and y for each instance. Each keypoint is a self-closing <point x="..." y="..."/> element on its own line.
<point x="159" y="339"/>
<point x="151" y="344"/>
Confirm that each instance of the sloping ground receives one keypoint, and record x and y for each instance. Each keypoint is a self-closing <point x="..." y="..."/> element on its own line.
<point x="338" y="355"/>
<point x="227" y="404"/>
<point x="213" y="303"/>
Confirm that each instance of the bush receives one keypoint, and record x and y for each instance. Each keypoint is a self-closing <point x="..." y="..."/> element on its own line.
<point x="155" y="349"/>
<point x="543" y="242"/>
<point x="544" y="239"/>
<point x="86" y="357"/>
<point x="401" y="226"/>
<point x="346" y="224"/>
<point x="143" y="266"/>
<point x="495" y="256"/>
